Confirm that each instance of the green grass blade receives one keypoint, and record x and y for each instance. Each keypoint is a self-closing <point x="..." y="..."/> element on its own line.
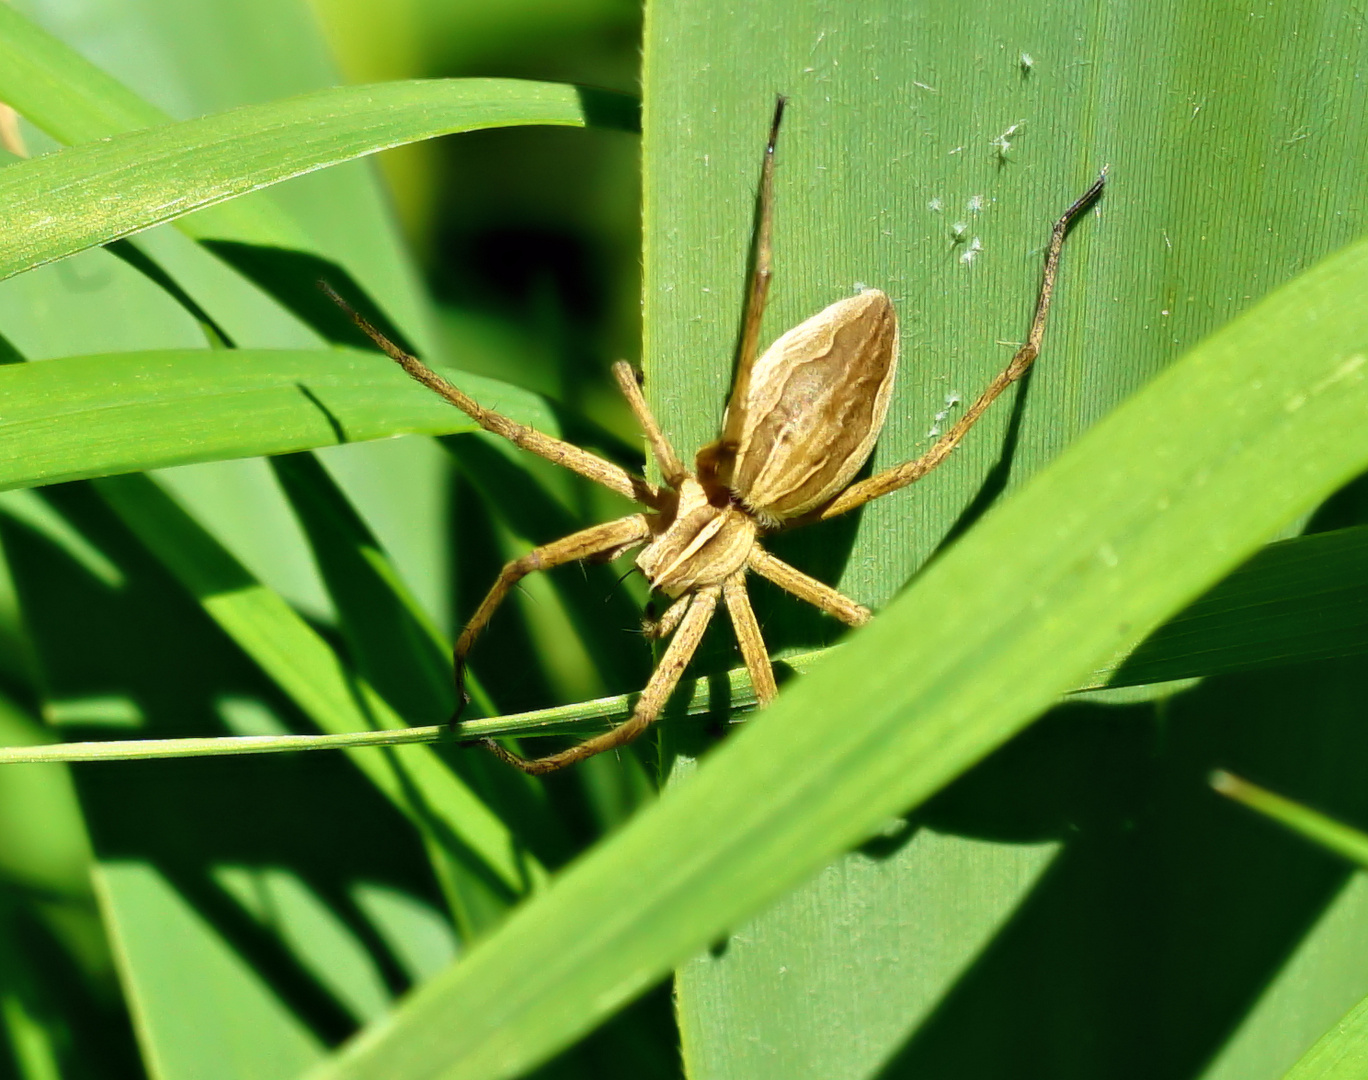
<point x="99" y="415"/>
<point x="1341" y="1053"/>
<point x="92" y="193"/>
<point x="1343" y="840"/>
<point x="1093" y="554"/>
<point x="74" y="101"/>
<point x="477" y="859"/>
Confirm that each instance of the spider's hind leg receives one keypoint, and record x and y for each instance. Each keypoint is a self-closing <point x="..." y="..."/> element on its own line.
<point x="659" y="629"/>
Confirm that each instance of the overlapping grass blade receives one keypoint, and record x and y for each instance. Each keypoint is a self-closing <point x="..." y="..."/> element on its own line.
<point x="1297" y="600"/>
<point x="1088" y="559"/>
<point x="61" y="92"/>
<point x="392" y="641"/>
<point x="72" y="100"/>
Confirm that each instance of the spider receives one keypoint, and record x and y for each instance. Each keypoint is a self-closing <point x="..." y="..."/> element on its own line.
<point x="801" y="421"/>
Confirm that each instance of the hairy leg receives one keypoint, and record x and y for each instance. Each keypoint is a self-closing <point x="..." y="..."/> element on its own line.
<point x="588" y="465"/>
<point x="748" y="636"/>
<point x="793" y="580"/>
<point x="659" y="629"/>
<point x="757" y="288"/>
<point x="672" y="471"/>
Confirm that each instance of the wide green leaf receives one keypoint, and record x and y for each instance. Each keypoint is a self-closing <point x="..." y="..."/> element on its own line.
<point x="921" y="154"/>
<point x="1082" y="564"/>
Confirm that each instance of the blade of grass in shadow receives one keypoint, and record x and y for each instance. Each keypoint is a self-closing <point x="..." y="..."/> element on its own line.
<point x="92" y="193"/>
<point x="393" y="643"/>
<point x="1319" y="828"/>
<point x="597" y="613"/>
<point x="479" y="863"/>
<point x="1093" y="554"/>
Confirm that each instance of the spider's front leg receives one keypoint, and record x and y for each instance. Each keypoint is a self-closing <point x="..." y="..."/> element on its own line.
<point x="664" y="679"/>
<point x="613" y="537"/>
<point x="900" y="476"/>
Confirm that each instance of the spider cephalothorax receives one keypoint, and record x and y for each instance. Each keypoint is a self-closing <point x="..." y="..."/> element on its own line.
<point x="801" y="422"/>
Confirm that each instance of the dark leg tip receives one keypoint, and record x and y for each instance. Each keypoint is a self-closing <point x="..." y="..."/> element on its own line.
<point x="779" y="102"/>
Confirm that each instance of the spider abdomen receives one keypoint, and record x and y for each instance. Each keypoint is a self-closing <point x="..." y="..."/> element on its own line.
<point x="813" y="409"/>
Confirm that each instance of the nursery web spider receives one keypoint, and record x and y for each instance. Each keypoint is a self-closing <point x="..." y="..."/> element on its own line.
<point x="801" y="422"/>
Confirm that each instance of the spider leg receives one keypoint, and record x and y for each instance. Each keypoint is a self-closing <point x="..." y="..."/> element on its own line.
<point x="748" y="637"/>
<point x="672" y="471"/>
<point x="557" y="451"/>
<point x="757" y="288"/>
<point x="663" y="681"/>
<point x="899" y="476"/>
<point x="612" y="536"/>
<point x="790" y="579"/>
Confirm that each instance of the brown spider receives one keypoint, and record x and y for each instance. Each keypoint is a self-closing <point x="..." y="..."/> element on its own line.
<point x="801" y="422"/>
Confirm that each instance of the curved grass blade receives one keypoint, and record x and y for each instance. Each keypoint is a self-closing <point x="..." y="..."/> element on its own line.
<point x="74" y="101"/>
<point x="61" y="92"/>
<point x="93" y="193"/>
<point x="100" y="415"/>
<point x="1092" y="555"/>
